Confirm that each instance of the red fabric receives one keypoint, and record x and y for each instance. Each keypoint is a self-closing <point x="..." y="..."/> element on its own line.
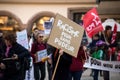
<point x="114" y="34"/>
<point x="118" y="57"/>
<point x="37" y="47"/>
<point x="92" y="23"/>
<point x="77" y="63"/>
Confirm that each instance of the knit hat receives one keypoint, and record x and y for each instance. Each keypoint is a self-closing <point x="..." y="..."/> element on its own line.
<point x="100" y="43"/>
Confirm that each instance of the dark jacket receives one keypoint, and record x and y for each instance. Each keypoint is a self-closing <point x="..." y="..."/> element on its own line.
<point x="15" y="68"/>
<point x="92" y="46"/>
<point x="63" y="65"/>
<point x="2" y="48"/>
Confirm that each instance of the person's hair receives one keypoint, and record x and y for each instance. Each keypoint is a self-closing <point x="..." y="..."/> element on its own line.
<point x="97" y="35"/>
<point x="108" y="27"/>
<point x="10" y="36"/>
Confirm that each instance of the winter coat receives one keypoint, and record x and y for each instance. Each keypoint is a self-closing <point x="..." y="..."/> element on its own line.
<point x="15" y="68"/>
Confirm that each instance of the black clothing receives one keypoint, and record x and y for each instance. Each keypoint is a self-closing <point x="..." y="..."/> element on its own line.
<point x="106" y="55"/>
<point x="62" y="72"/>
<point x="39" y="67"/>
<point x="15" y="68"/>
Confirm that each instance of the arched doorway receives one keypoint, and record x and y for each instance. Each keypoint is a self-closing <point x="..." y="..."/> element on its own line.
<point x="10" y="22"/>
<point x="38" y="21"/>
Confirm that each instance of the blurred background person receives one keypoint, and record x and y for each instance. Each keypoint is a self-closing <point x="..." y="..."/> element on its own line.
<point x="92" y="47"/>
<point x="39" y="67"/>
<point x="63" y="67"/>
<point x="98" y="54"/>
<point x="76" y="68"/>
<point x="2" y="47"/>
<point x="108" y="56"/>
<point x="15" y="53"/>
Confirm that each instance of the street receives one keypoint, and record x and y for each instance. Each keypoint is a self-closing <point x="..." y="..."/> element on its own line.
<point x="113" y="75"/>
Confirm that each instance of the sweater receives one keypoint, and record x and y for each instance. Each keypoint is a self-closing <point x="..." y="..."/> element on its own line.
<point x="77" y="63"/>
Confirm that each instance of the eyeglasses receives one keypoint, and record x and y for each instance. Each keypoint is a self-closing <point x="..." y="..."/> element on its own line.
<point x="41" y="36"/>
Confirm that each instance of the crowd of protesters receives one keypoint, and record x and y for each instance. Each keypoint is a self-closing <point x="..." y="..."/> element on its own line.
<point x="12" y="54"/>
<point x="102" y="48"/>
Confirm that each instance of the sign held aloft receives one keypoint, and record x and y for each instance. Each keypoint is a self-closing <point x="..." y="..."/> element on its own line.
<point x="66" y="35"/>
<point x="92" y="22"/>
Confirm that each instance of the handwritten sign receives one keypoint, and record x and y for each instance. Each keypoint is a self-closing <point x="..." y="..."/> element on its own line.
<point x="66" y="35"/>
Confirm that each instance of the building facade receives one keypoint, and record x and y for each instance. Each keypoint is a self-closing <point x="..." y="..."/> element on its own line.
<point x="28" y="14"/>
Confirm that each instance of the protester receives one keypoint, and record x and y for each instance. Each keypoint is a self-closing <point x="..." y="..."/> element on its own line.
<point x="49" y="62"/>
<point x="92" y="47"/>
<point x="2" y="47"/>
<point x="76" y="68"/>
<point x="13" y="59"/>
<point x="62" y="70"/>
<point x="107" y="36"/>
<point x="32" y="37"/>
<point x="98" y="54"/>
<point x="37" y="46"/>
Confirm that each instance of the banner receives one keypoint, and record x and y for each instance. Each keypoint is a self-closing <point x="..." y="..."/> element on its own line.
<point x="66" y="35"/>
<point x="92" y="23"/>
<point x="93" y="63"/>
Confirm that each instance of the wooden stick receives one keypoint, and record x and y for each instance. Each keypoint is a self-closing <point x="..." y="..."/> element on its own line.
<point x="56" y="67"/>
<point x="85" y="53"/>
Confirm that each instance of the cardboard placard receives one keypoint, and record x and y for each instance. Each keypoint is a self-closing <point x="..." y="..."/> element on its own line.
<point x="66" y="35"/>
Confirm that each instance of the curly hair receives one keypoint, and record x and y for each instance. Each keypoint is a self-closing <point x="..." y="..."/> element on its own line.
<point x="10" y="36"/>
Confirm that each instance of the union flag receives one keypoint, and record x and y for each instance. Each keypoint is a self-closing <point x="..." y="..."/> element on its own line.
<point x="92" y="23"/>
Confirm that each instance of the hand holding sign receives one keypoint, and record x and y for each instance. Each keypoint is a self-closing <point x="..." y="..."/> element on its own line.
<point x="61" y="52"/>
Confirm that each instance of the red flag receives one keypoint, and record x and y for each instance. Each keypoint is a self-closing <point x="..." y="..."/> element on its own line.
<point x="92" y="23"/>
<point x="114" y="34"/>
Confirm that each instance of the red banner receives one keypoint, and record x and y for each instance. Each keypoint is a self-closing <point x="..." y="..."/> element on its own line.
<point x="92" y="23"/>
<point x="114" y="34"/>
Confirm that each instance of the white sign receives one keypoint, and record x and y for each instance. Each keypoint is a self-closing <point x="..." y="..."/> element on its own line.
<point x="22" y="38"/>
<point x="41" y="54"/>
<point x="48" y="26"/>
